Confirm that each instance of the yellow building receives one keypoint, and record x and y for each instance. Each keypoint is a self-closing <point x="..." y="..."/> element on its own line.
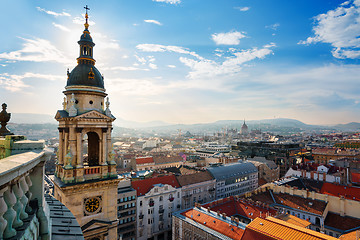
<point x="85" y="176"/>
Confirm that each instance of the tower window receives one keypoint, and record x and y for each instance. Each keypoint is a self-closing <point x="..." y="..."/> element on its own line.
<point x="76" y="101"/>
<point x="91" y="102"/>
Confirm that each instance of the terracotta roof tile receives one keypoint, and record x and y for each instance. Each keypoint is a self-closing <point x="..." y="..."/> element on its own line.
<point x="272" y="228"/>
<point x="295" y="202"/>
<point x="242" y="207"/>
<point x="220" y="226"/>
<point x="294" y="220"/>
<point x="348" y="192"/>
<point x="144" y="160"/>
<point x="144" y="186"/>
<point x="343" y="223"/>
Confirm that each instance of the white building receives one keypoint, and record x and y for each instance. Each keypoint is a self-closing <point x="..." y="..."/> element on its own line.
<point x="157" y="198"/>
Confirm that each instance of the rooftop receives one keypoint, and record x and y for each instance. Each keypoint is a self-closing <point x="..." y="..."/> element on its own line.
<point x="248" y="209"/>
<point x="345" y="223"/>
<point x="232" y="170"/>
<point x="144" y="186"/>
<point x="188" y="179"/>
<point x="144" y="160"/>
<point x="272" y="228"/>
<point x="292" y="201"/>
<point x="217" y="223"/>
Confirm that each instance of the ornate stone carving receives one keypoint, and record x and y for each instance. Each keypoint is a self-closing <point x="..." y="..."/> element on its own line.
<point x="72" y="108"/>
<point x="4" y="119"/>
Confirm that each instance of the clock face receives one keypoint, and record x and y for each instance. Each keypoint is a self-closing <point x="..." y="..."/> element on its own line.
<point x="92" y="204"/>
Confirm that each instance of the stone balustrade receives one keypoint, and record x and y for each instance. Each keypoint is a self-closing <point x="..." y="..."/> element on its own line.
<point x="22" y="213"/>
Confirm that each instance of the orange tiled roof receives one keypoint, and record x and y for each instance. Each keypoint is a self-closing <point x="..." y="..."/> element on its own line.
<point x="214" y="223"/>
<point x="243" y="208"/>
<point x="293" y="201"/>
<point x="272" y="228"/>
<point x="348" y="192"/>
<point x="294" y="220"/>
<point x="144" y="186"/>
<point x="349" y="236"/>
<point x="144" y="160"/>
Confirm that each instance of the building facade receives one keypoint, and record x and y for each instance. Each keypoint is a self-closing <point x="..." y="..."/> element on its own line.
<point x="157" y="199"/>
<point x="196" y="188"/>
<point x="234" y="179"/>
<point x="126" y="209"/>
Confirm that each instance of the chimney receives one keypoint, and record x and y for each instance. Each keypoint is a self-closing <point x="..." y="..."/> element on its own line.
<point x="237" y="220"/>
<point x="208" y="209"/>
<point x="224" y="215"/>
<point x="232" y="218"/>
<point x="218" y="213"/>
<point x="324" y="177"/>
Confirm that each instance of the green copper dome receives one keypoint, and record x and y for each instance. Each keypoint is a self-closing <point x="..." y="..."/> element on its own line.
<point x="85" y="75"/>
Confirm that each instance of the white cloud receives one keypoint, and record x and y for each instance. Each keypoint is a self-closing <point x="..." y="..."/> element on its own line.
<point x="104" y="42"/>
<point x="37" y="50"/>
<point x="201" y="69"/>
<point x="168" y="1"/>
<point x="121" y="68"/>
<point x="340" y="28"/>
<point x="53" y="13"/>
<point x="273" y="26"/>
<point x="61" y="27"/>
<point x="14" y="83"/>
<point x="153" y="21"/>
<point x="152" y="66"/>
<point x="242" y="9"/>
<point x="171" y="66"/>
<point x="229" y="38"/>
<point x="162" y="48"/>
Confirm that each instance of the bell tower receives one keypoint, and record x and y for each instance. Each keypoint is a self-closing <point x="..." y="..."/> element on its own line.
<point x="85" y="177"/>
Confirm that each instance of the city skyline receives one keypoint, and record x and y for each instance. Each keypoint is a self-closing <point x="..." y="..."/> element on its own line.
<point x="188" y="62"/>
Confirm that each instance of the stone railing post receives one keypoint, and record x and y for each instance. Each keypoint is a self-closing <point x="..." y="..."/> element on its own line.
<point x="3" y="209"/>
<point x="10" y="214"/>
<point x="24" y="199"/>
<point x="28" y="193"/>
<point x="18" y="207"/>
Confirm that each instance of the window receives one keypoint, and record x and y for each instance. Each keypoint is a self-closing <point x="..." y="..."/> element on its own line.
<point x="155" y="190"/>
<point x="140" y="203"/>
<point x="161" y="198"/>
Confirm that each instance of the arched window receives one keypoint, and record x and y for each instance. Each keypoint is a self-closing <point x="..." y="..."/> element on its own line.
<point x="91" y="149"/>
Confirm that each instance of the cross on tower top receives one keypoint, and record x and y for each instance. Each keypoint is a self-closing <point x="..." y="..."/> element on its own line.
<point x="86" y="7"/>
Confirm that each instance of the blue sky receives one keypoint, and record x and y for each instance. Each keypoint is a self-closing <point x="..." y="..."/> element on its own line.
<point x="189" y="61"/>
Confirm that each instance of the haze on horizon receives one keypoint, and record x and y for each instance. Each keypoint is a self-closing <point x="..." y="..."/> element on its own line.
<point x="182" y="61"/>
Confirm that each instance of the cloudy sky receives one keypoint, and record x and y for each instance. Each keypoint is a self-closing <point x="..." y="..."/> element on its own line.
<point x="189" y="61"/>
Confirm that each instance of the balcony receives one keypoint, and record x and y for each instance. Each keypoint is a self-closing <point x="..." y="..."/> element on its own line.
<point x="23" y="211"/>
<point x="151" y="204"/>
<point x="161" y="210"/>
<point x="141" y="216"/>
<point x="171" y="199"/>
<point x="211" y="189"/>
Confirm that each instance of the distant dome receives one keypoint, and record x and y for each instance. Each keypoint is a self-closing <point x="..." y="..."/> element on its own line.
<point x="86" y="75"/>
<point x="244" y="128"/>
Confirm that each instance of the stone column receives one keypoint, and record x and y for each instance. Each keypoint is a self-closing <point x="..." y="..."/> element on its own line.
<point x="18" y="207"/>
<point x="72" y="142"/>
<point x="65" y="143"/>
<point x="61" y="146"/>
<point x="79" y="148"/>
<point x="3" y="209"/>
<point x="24" y="199"/>
<point x="104" y="146"/>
